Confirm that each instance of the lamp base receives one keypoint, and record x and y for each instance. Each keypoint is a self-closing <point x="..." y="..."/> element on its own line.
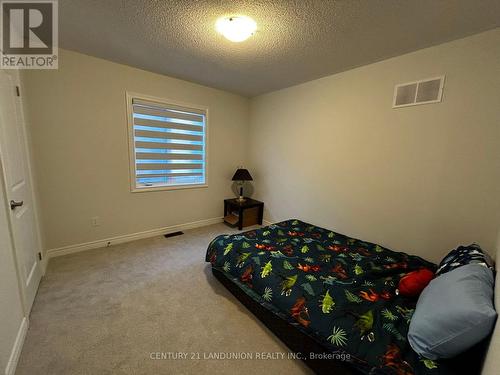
<point x="240" y="198"/>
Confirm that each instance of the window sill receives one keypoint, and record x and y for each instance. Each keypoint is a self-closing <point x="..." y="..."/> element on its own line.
<point x="163" y="188"/>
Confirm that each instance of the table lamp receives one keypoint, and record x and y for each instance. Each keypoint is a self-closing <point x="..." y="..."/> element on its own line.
<point x="240" y="176"/>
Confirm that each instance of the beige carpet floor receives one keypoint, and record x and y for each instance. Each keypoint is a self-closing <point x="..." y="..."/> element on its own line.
<point x="105" y="311"/>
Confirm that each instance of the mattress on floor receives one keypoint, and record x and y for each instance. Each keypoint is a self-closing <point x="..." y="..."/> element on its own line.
<point x="338" y="290"/>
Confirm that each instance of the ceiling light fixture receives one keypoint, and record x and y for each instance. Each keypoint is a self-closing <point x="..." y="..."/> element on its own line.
<point x="236" y="28"/>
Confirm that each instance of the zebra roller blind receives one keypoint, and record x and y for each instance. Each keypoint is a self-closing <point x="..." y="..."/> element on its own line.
<point x="169" y="145"/>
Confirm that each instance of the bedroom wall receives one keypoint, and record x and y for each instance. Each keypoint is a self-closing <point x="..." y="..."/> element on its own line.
<point x="420" y="179"/>
<point x="77" y="123"/>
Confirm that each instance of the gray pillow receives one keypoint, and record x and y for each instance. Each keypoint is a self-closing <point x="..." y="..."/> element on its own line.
<point x="454" y="312"/>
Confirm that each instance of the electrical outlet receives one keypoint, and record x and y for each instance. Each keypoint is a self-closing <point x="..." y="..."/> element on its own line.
<point x="96" y="221"/>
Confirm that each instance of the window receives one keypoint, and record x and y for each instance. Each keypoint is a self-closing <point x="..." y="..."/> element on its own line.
<point x="167" y="144"/>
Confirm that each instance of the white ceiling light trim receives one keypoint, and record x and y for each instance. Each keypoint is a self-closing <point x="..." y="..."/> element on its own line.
<point x="236" y="28"/>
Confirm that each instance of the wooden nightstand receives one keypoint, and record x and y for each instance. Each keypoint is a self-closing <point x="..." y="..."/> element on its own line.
<point x="249" y="212"/>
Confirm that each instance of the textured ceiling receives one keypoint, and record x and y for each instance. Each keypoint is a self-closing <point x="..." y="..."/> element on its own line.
<point x="296" y="41"/>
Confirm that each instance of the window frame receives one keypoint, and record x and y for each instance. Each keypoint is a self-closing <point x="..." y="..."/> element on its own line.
<point x="130" y="95"/>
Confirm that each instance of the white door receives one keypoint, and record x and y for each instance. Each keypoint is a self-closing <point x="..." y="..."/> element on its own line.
<point x="13" y="155"/>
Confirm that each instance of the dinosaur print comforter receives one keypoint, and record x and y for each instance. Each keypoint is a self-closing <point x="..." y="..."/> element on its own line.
<point x="339" y="290"/>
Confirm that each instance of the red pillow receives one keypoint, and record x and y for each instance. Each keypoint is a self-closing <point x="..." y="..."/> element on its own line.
<point x="412" y="284"/>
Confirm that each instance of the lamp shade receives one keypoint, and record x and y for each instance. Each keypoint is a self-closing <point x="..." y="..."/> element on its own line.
<point x="242" y="175"/>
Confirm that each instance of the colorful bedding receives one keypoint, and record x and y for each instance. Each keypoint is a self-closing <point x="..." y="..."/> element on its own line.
<point x="339" y="290"/>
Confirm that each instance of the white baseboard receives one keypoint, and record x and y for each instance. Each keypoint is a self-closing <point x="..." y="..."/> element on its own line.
<point x="10" y="369"/>
<point x="129" y="237"/>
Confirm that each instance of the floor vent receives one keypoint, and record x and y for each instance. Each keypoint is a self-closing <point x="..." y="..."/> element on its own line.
<point x="173" y="234"/>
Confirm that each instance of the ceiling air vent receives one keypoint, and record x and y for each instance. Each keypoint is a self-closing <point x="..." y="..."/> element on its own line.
<point x="425" y="91"/>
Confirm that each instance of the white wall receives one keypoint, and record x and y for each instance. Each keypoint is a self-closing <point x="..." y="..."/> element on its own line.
<point x="419" y="179"/>
<point x="78" y="130"/>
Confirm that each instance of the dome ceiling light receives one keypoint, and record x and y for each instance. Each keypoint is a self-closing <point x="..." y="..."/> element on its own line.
<point x="236" y="28"/>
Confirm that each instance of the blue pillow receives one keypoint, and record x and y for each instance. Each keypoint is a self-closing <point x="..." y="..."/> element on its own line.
<point x="463" y="255"/>
<point x="454" y="312"/>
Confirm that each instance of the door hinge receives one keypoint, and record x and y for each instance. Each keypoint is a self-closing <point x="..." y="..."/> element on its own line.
<point x="17" y="91"/>
<point x="40" y="256"/>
